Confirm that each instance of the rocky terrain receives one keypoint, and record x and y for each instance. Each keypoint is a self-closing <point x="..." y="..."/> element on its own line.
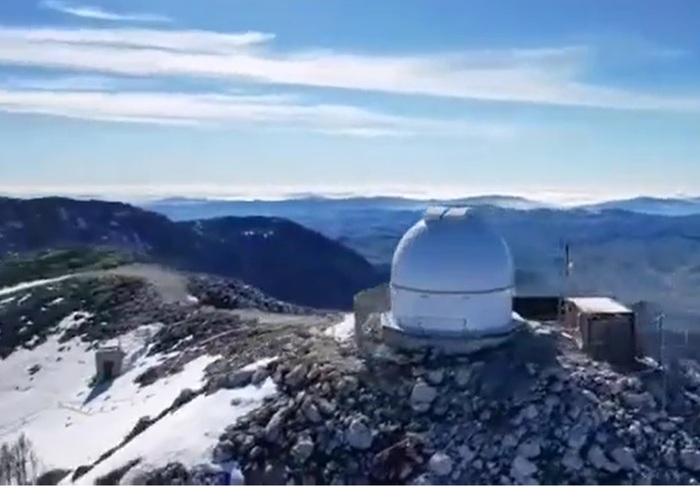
<point x="234" y="325"/>
<point x="297" y="403"/>
<point x="533" y="411"/>
<point x="282" y="258"/>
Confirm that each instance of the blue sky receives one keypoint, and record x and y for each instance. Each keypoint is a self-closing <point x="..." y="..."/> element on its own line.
<point x="553" y="99"/>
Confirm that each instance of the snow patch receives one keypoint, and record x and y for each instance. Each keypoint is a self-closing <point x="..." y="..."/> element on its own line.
<point x="259" y="364"/>
<point x="343" y="330"/>
<point x="73" y="320"/>
<point x="71" y="423"/>
<point x="7" y="301"/>
<point x="187" y="435"/>
<point x="32" y="284"/>
<point x="264" y="234"/>
<point x="192" y="299"/>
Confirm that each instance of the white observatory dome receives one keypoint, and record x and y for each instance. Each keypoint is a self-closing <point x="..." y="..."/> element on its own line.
<point x="452" y="274"/>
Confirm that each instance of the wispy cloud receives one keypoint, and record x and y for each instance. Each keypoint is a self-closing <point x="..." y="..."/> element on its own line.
<point x="550" y="76"/>
<point x="260" y="110"/>
<point x="60" y="83"/>
<point x="97" y="13"/>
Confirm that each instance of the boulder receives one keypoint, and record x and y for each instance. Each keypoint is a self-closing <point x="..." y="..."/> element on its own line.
<point x="422" y="396"/>
<point x="359" y="435"/>
<point x="624" y="457"/>
<point x="522" y="470"/>
<point x="690" y="459"/>
<point x="303" y="449"/>
<point x="529" y="449"/>
<point x="440" y="464"/>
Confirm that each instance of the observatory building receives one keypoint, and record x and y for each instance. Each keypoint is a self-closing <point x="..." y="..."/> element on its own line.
<point x="451" y="288"/>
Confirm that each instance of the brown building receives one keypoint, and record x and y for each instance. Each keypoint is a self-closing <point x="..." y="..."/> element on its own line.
<point x="605" y="327"/>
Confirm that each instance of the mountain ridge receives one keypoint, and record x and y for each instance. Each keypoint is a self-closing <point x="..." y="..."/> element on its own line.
<point x="309" y="269"/>
<point x="653" y="205"/>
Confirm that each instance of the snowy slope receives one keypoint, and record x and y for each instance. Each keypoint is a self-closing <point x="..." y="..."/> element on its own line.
<point x="187" y="435"/>
<point x="54" y="407"/>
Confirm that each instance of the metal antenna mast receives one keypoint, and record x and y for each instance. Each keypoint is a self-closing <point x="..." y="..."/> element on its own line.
<point x="662" y="358"/>
<point x="566" y="273"/>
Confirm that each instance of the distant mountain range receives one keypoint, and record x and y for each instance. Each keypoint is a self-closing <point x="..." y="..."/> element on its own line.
<point x="192" y="208"/>
<point x="318" y="251"/>
<point x="636" y="249"/>
<point x="283" y="258"/>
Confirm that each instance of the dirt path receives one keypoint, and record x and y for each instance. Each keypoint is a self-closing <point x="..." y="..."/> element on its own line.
<point x="171" y="285"/>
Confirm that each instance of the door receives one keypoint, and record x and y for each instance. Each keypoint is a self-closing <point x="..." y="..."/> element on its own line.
<point x="108" y="370"/>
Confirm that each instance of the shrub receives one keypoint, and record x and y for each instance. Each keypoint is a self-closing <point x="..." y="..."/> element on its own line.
<point x="18" y="462"/>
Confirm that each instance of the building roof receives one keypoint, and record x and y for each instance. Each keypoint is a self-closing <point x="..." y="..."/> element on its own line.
<point x="599" y="305"/>
<point x="452" y="250"/>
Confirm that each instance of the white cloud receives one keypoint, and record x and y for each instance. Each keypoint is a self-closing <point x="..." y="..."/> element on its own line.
<point x="277" y="111"/>
<point x="60" y="83"/>
<point x="551" y="76"/>
<point x="97" y="13"/>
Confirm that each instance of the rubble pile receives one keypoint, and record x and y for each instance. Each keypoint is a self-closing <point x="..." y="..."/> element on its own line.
<point x="533" y="411"/>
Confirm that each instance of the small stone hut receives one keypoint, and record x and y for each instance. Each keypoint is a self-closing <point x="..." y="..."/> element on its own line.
<point x="109" y="361"/>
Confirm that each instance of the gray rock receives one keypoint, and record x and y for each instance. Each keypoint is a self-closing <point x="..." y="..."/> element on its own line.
<point x="273" y="428"/>
<point x="436" y="376"/>
<point x="669" y="457"/>
<point x="260" y="375"/>
<point x="311" y="412"/>
<point x="597" y="458"/>
<point x="624" y="457"/>
<point x="462" y="377"/>
<point x="531" y="412"/>
<point x="466" y="453"/>
<point x="223" y="452"/>
<point x="638" y="400"/>
<point x="523" y="470"/>
<point x="440" y="464"/>
<point x="690" y="459"/>
<point x="348" y="384"/>
<point x="529" y="449"/>
<point x="572" y="461"/>
<point x="359" y="435"/>
<point x="509" y="441"/>
<point x="577" y="437"/>
<point x="422" y="396"/>
<point x="238" y="379"/>
<point x="325" y="407"/>
<point x="296" y="376"/>
<point x="303" y="449"/>
<point x="421" y="480"/>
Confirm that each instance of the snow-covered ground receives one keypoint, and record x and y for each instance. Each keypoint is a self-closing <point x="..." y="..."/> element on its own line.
<point x="343" y="330"/>
<point x="69" y="423"/>
<point x="30" y="285"/>
<point x="188" y="435"/>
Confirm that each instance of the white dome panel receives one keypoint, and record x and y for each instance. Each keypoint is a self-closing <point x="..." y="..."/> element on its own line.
<point x="452" y="275"/>
<point x="452" y="250"/>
